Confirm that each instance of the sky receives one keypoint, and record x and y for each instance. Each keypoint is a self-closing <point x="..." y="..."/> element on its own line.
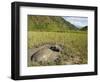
<point x="77" y="21"/>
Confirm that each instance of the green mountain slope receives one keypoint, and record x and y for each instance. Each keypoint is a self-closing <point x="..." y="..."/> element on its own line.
<point x="49" y="23"/>
<point x="84" y="28"/>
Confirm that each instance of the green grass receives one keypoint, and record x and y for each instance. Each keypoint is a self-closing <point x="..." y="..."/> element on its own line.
<point x="74" y="43"/>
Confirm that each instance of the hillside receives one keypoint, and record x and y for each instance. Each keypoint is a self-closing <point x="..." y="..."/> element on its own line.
<point x="49" y="23"/>
<point x="84" y="28"/>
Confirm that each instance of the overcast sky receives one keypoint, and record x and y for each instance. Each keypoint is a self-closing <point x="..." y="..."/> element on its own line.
<point x="77" y="21"/>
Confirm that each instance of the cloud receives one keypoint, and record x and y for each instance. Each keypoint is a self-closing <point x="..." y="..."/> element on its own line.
<point x="77" y="21"/>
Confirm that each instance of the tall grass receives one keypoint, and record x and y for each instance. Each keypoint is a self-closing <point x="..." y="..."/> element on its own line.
<point x="74" y="43"/>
